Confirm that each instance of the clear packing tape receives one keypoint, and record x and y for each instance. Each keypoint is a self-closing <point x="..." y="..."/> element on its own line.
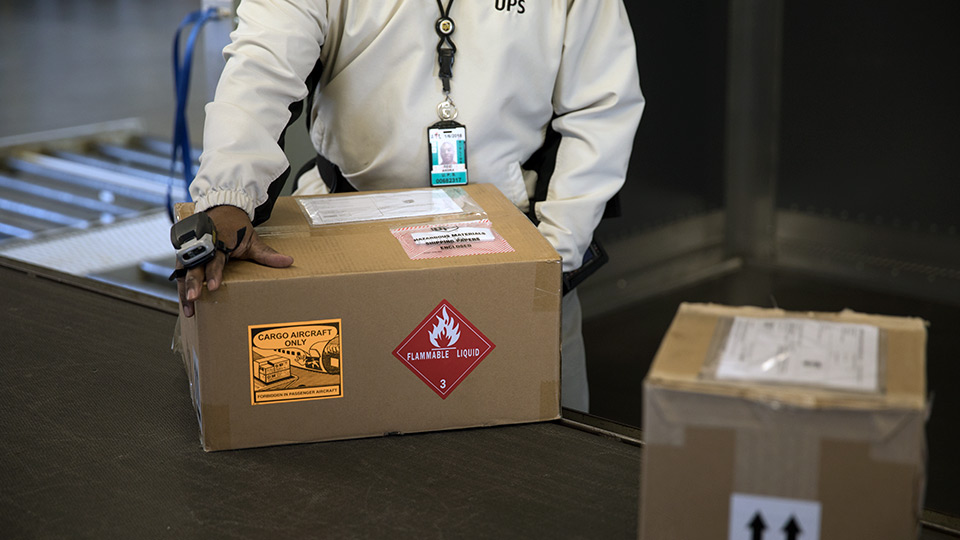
<point x="434" y="223"/>
<point x="428" y="205"/>
<point x="790" y="351"/>
<point x="668" y="413"/>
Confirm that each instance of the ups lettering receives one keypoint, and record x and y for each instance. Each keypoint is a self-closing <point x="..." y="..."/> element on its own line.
<point x="507" y="5"/>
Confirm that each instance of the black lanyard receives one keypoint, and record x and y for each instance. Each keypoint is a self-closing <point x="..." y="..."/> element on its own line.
<point x="445" y="48"/>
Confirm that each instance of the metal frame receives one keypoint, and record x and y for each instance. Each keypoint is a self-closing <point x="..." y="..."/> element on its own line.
<point x="753" y="127"/>
<point x="751" y="230"/>
<point x="656" y="261"/>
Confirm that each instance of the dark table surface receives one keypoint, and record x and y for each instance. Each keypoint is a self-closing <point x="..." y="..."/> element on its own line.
<point x="100" y="439"/>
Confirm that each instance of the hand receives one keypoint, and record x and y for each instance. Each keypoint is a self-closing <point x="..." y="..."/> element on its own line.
<point x="228" y="220"/>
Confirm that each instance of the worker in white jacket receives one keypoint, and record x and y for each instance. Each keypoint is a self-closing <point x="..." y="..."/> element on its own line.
<point x="376" y="83"/>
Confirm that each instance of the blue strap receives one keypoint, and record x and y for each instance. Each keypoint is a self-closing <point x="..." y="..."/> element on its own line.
<point x="182" y="150"/>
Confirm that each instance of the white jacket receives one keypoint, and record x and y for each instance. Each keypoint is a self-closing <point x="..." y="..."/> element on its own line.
<point x="519" y="64"/>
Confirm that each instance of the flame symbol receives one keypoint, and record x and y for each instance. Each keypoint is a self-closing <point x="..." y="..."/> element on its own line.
<point x="446" y="329"/>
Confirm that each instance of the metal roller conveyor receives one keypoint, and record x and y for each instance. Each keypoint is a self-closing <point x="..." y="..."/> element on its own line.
<point x="152" y="145"/>
<point x="154" y="156"/>
<point x="126" y="181"/>
<point x="90" y="204"/>
<point x="122" y="168"/>
<point x="9" y="186"/>
<point x="66" y="175"/>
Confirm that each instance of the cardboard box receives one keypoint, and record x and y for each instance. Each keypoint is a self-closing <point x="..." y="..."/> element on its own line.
<point x="398" y="325"/>
<point x="762" y="423"/>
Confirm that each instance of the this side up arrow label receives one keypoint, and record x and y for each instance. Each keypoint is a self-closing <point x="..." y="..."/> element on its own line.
<point x="757" y="517"/>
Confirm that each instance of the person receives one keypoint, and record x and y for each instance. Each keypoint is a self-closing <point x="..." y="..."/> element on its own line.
<point x="521" y="68"/>
<point x="447" y="156"/>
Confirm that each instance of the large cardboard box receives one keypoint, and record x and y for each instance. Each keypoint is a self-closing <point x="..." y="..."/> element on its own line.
<point x="400" y="314"/>
<point x="763" y="424"/>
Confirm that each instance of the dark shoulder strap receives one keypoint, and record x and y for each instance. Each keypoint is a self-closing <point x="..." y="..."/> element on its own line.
<point x="262" y="212"/>
<point x="543" y="162"/>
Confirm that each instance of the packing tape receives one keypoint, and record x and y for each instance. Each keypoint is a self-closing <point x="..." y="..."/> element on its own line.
<point x="892" y="432"/>
<point x="549" y="400"/>
<point x="183" y="209"/>
<point x="777" y="456"/>
<point x="215" y="429"/>
<point x="184" y="345"/>
<point x="721" y="334"/>
<point x="546" y="287"/>
<point x="784" y="446"/>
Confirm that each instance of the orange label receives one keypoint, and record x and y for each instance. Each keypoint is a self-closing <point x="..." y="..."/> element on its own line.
<point x="296" y="361"/>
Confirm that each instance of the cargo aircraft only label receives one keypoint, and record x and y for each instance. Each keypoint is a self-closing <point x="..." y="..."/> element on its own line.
<point x="444" y="349"/>
<point x="295" y="361"/>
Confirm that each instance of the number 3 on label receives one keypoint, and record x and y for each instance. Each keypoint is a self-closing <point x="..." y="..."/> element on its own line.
<point x="443" y="383"/>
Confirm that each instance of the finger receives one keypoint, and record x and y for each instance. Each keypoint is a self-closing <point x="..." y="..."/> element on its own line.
<point x="182" y="292"/>
<point x="214" y="271"/>
<point x="267" y="256"/>
<point x="193" y="282"/>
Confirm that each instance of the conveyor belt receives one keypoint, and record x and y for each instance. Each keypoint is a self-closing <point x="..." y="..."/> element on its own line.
<point x="99" y="440"/>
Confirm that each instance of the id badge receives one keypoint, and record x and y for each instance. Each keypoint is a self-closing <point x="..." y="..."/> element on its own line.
<point x="448" y="154"/>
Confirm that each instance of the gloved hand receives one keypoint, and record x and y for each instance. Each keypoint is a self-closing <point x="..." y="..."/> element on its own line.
<point x="228" y="220"/>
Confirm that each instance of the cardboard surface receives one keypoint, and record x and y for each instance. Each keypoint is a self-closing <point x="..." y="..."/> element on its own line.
<point x="355" y="284"/>
<point x="733" y="459"/>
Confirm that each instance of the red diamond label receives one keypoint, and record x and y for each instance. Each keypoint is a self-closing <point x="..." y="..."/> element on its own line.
<point x="444" y="349"/>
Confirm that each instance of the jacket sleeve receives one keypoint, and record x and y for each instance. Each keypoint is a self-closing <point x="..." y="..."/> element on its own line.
<point x="598" y="104"/>
<point x="274" y="48"/>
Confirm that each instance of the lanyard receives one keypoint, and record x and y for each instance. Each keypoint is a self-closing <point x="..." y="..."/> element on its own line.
<point x="445" y="48"/>
<point x="447" y="138"/>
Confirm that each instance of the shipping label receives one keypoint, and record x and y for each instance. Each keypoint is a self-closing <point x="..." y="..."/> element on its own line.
<point x="451" y="240"/>
<point x="378" y="206"/>
<point x="295" y="361"/>
<point x="802" y="351"/>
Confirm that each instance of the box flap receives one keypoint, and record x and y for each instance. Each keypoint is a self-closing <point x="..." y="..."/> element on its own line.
<point x="692" y="340"/>
<point x="371" y="247"/>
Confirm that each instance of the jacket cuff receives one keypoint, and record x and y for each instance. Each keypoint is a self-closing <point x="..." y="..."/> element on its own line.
<point x="225" y="197"/>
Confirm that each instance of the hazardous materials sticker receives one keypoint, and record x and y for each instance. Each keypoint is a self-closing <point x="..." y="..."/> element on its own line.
<point x="802" y="351"/>
<point x="295" y="361"/>
<point x="443" y="349"/>
<point x="451" y="240"/>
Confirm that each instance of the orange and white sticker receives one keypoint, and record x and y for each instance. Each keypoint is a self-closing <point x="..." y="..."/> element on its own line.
<point x="295" y="361"/>
<point x="451" y="240"/>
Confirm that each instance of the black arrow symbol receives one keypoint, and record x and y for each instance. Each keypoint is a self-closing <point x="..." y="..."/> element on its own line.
<point x="792" y="529"/>
<point x="757" y="526"/>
